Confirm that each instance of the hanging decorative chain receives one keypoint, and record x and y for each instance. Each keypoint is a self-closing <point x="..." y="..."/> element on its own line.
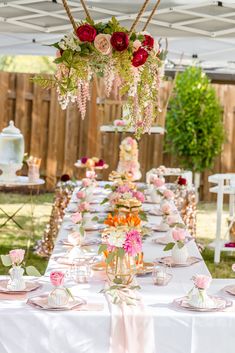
<point x="129" y="59"/>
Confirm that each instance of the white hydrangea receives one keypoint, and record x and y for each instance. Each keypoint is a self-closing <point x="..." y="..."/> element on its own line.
<point x="127" y="195"/>
<point x="70" y="41"/>
<point x="117" y="238"/>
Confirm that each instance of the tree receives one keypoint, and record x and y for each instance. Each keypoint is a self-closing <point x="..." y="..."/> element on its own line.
<point x="194" y="125"/>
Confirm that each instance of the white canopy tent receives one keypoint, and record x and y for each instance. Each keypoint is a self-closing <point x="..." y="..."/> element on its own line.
<point x="199" y="29"/>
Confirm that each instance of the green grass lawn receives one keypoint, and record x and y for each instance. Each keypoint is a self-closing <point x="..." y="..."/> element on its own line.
<point x="13" y="237"/>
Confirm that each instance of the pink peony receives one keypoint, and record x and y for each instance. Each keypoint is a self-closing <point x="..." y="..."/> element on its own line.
<point x="76" y="217"/>
<point x="158" y="182"/>
<point x="84" y="206"/>
<point x="233" y="267"/>
<point x="202" y="281"/>
<point x="81" y="194"/>
<point x="17" y="256"/>
<point x="179" y="234"/>
<point x="102" y="43"/>
<point x="57" y="278"/>
<point x="139" y="196"/>
<point x="166" y="208"/>
<point x="133" y="243"/>
<point x="168" y="194"/>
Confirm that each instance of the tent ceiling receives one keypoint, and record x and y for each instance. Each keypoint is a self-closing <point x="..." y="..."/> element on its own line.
<point x="205" y="29"/>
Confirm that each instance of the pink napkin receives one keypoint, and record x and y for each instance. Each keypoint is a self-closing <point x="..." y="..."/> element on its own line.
<point x="132" y="329"/>
<point x="6" y="296"/>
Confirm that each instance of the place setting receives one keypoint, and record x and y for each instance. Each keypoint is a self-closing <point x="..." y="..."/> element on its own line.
<point x="117" y="202"/>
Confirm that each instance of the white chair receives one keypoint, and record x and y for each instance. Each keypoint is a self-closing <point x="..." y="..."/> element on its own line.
<point x="225" y="185"/>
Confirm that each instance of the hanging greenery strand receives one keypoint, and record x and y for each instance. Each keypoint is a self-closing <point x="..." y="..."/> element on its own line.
<point x="138" y="17"/>
<point x="70" y="16"/>
<point x="151" y="15"/>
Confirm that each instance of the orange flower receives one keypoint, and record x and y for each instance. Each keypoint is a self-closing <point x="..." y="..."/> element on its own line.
<point x="127" y="220"/>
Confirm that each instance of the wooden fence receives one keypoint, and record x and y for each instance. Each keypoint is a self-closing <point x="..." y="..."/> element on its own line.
<point x="61" y="137"/>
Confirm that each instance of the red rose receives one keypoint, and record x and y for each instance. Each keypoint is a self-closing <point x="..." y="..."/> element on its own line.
<point x="148" y="42"/>
<point x="119" y="41"/>
<point x="100" y="163"/>
<point x="182" y="181"/>
<point x="139" y="57"/>
<point x="86" y="33"/>
<point x="84" y="160"/>
<point x="65" y="177"/>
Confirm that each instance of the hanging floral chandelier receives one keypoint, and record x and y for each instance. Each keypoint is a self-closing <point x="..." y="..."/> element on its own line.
<point x="129" y="61"/>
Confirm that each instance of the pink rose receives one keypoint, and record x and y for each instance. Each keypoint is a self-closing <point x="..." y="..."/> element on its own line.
<point x="139" y="196"/>
<point x="166" y="208"/>
<point x="202" y="281"/>
<point x="233" y="267"/>
<point x="119" y="122"/>
<point x="17" y="256"/>
<point x="102" y="43"/>
<point x="179" y="234"/>
<point x="57" y="278"/>
<point x="158" y="182"/>
<point x="84" y="206"/>
<point x="168" y="194"/>
<point x="81" y="195"/>
<point x="76" y="217"/>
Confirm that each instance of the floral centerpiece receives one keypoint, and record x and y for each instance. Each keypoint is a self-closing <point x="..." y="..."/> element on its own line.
<point x="178" y="246"/>
<point x="15" y="260"/>
<point x="198" y="296"/>
<point x="127" y="59"/>
<point x="91" y="163"/>
<point x="123" y="243"/>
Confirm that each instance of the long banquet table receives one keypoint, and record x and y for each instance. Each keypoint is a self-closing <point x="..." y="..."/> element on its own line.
<point x="25" y="329"/>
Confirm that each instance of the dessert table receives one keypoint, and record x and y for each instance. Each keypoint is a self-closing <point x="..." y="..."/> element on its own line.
<point x="26" y="329"/>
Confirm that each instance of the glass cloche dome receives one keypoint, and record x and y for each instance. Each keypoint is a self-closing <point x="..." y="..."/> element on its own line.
<point x="11" y="152"/>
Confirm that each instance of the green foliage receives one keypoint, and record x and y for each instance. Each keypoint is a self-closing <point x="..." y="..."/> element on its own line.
<point x="195" y="132"/>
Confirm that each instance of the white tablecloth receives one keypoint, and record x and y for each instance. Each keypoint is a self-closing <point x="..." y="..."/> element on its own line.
<point x="24" y="329"/>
